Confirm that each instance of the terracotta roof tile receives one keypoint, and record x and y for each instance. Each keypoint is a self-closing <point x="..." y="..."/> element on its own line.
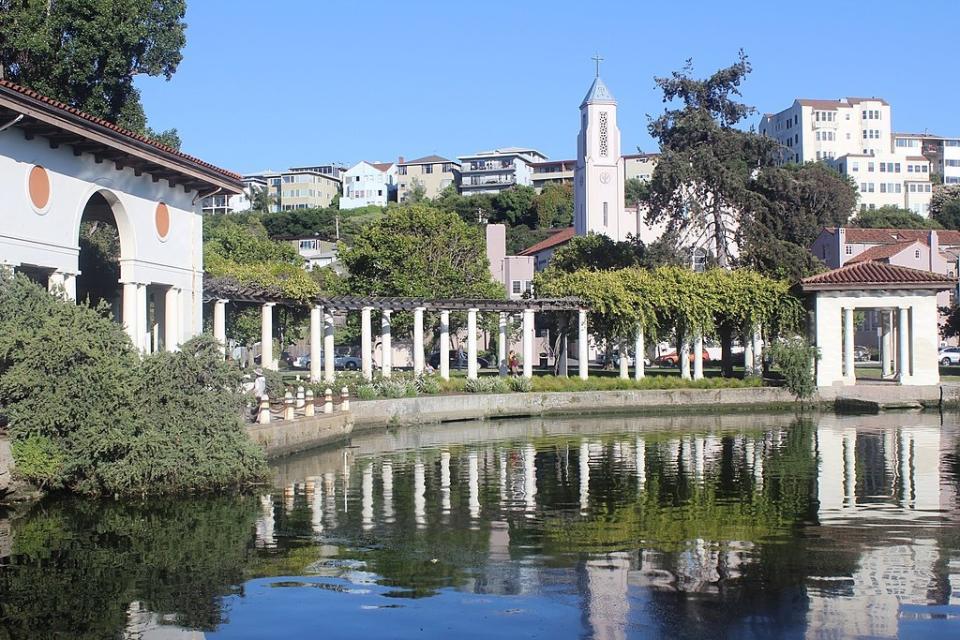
<point x="873" y="275"/>
<point x="381" y="166"/>
<point x="431" y="159"/>
<point x="30" y="93"/>
<point x="881" y="252"/>
<point x="558" y="238"/>
<point x="858" y="235"/>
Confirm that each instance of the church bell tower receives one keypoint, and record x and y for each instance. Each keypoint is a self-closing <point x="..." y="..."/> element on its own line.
<point x="599" y="177"/>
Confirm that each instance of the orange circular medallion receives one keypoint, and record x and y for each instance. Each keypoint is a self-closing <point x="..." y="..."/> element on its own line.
<point x="39" y="187"/>
<point x="162" y="219"/>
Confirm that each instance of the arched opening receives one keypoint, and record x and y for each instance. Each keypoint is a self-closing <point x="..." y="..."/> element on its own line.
<point x="99" y="259"/>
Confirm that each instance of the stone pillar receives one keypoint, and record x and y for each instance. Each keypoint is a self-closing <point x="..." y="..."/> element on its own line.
<point x="129" y="312"/>
<point x="171" y="319"/>
<point x="366" y="343"/>
<point x="848" y="372"/>
<point x="747" y="353"/>
<point x="528" y="320"/>
<point x="316" y="342"/>
<point x="886" y="343"/>
<point x="418" y="359"/>
<point x="502" y="344"/>
<point x="266" y="336"/>
<point x="624" y="361"/>
<point x="70" y="285"/>
<point x="472" y="344"/>
<point x="386" y="356"/>
<point x="329" y="358"/>
<point x="445" y="345"/>
<point x="698" y="356"/>
<point x="563" y="362"/>
<point x="55" y="282"/>
<point x="143" y="329"/>
<point x="220" y="324"/>
<point x="903" y="333"/>
<point x="583" y="345"/>
<point x="639" y="354"/>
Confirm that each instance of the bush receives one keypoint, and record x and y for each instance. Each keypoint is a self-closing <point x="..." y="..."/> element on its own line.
<point x="487" y="384"/>
<point x="795" y="359"/>
<point x="554" y="383"/>
<point x="520" y="384"/>
<point x="88" y="415"/>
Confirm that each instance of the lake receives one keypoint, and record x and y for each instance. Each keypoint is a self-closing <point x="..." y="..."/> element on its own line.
<point x="703" y="526"/>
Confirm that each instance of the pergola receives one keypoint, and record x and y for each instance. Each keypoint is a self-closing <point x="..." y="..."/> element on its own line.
<point x="907" y="300"/>
<point x="220" y="291"/>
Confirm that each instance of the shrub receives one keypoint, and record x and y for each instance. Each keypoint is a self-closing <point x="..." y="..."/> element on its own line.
<point x="367" y="392"/>
<point x="487" y="384"/>
<point x="87" y="415"/>
<point x="795" y="359"/>
<point x="520" y="384"/>
<point x="428" y="384"/>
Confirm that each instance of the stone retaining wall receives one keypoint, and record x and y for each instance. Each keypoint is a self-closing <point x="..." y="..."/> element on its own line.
<point x="284" y="437"/>
<point x="6" y="467"/>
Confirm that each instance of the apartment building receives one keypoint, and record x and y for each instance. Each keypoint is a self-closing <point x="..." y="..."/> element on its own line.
<point x="369" y="184"/>
<point x="552" y="171"/>
<point x="234" y="203"/>
<point x="855" y="136"/>
<point x="333" y="169"/>
<point x="943" y="153"/>
<point x="640" y="166"/>
<point x="515" y="273"/>
<point x="307" y="189"/>
<point x="433" y="173"/>
<point x="491" y="172"/>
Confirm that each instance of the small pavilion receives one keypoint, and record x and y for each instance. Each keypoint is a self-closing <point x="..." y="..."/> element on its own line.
<point x="220" y="291"/>
<point x="907" y="301"/>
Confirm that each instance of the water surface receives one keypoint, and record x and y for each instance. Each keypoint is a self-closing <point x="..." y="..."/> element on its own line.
<point x="738" y="526"/>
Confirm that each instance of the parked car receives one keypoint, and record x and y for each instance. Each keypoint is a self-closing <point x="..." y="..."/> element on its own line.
<point x="340" y="363"/>
<point x="458" y="360"/>
<point x="949" y="356"/>
<point x="602" y="359"/>
<point x="672" y="359"/>
<point x="862" y="354"/>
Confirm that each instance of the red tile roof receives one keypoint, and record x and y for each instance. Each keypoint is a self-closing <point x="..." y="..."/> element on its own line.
<point x="820" y="104"/>
<point x="876" y="275"/>
<point x="881" y="252"/>
<point x="858" y="235"/>
<point x="381" y="166"/>
<point x="560" y="237"/>
<point x="105" y="124"/>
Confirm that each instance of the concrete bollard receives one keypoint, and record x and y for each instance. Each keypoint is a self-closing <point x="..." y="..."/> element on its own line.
<point x="288" y="406"/>
<point x="300" y="398"/>
<point x="264" y="417"/>
<point x="344" y="399"/>
<point x="328" y="401"/>
<point x="309" y="409"/>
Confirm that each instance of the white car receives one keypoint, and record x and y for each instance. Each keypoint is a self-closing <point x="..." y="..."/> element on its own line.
<point x="949" y="356"/>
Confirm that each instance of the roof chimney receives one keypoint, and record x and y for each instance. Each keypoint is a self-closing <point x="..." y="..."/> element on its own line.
<point x="841" y="245"/>
<point x="399" y="159"/>
<point x="934" y="243"/>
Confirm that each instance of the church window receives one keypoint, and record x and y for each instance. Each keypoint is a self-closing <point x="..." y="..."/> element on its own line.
<point x="605" y="218"/>
<point x="604" y="145"/>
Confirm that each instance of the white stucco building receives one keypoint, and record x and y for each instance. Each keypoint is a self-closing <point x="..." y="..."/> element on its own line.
<point x="493" y="171"/>
<point x="369" y="183"/>
<point x="855" y="136"/>
<point x="60" y="167"/>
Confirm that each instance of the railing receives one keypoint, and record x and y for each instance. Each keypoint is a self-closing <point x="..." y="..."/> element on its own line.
<point x="303" y="405"/>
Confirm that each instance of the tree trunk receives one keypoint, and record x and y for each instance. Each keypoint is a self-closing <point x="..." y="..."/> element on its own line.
<point x="726" y="352"/>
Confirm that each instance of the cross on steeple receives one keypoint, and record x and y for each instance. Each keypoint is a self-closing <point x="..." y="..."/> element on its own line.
<point x="598" y="60"/>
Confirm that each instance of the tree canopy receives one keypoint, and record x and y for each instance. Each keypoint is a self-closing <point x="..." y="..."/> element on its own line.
<point x="890" y="217"/>
<point x="945" y="206"/>
<point x="86" y="53"/>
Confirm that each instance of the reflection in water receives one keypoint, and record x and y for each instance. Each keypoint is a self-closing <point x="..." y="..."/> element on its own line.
<point x="681" y="527"/>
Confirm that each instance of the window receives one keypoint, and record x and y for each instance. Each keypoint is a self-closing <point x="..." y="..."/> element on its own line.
<point x="883" y="167"/>
<point x="896" y="167"/>
<point x="401" y="171"/>
<point x="870" y="166"/>
<point x="916" y="253"/>
<point x="864" y="134"/>
<point x="516" y="286"/>
<point x="864" y="115"/>
<point x="605" y="220"/>
<point x="883" y="187"/>
<point x="869" y="187"/>
<point x="849" y="250"/>
<point x="855" y="166"/>
<point x="952" y="163"/>
<point x="604" y="142"/>
<point x="428" y="168"/>
<point x="924" y="168"/>
<point x="863" y="187"/>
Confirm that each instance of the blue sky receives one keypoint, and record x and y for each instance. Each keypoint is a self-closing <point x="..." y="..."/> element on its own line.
<point x="294" y="82"/>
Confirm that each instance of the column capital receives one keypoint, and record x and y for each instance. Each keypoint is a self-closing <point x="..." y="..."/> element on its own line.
<point x="386" y="312"/>
<point x="420" y="309"/>
<point x="223" y="300"/>
<point x="269" y="304"/>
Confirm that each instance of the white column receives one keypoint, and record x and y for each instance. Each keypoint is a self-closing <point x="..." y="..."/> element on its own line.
<point x="366" y="343"/>
<point x="624" y="361"/>
<point x="220" y="324"/>
<point x="144" y="330"/>
<point x="329" y="374"/>
<point x="886" y="343"/>
<point x="316" y="342"/>
<point x="55" y="282"/>
<point x="472" y="344"/>
<point x="528" y="343"/>
<point x="698" y="357"/>
<point x="418" y="340"/>
<point x="747" y="353"/>
<point x="502" y="344"/>
<point x="757" y="352"/>
<point x="848" y="373"/>
<point x="171" y="319"/>
<point x="583" y="346"/>
<point x="130" y="312"/>
<point x="903" y="333"/>
<point x="639" y="354"/>
<point x="70" y="285"/>
<point x="266" y="336"/>
<point x="684" y="359"/>
<point x="386" y="357"/>
<point x="445" y="345"/>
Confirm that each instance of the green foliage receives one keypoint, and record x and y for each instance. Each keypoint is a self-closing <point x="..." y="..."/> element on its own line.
<point x="571" y="384"/>
<point x="520" y="237"/>
<point x="795" y="357"/>
<point x="87" y="53"/>
<point x="950" y="328"/>
<point x="945" y="206"/>
<point x="554" y="205"/>
<point x="795" y="202"/>
<point x="515" y="205"/>
<point x="890" y="217"/>
<point x="89" y="416"/>
<point x="701" y="183"/>
<point x="519" y="384"/>
<point x="487" y="384"/>
<point x="598" y="253"/>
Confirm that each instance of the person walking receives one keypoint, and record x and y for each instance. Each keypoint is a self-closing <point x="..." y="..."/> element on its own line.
<point x="513" y="362"/>
<point x="259" y="390"/>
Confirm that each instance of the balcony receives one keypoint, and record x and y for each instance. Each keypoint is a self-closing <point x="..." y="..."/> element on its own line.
<point x="824" y="124"/>
<point x="487" y="168"/>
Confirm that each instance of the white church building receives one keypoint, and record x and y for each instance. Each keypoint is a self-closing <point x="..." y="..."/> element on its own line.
<point x="62" y="170"/>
